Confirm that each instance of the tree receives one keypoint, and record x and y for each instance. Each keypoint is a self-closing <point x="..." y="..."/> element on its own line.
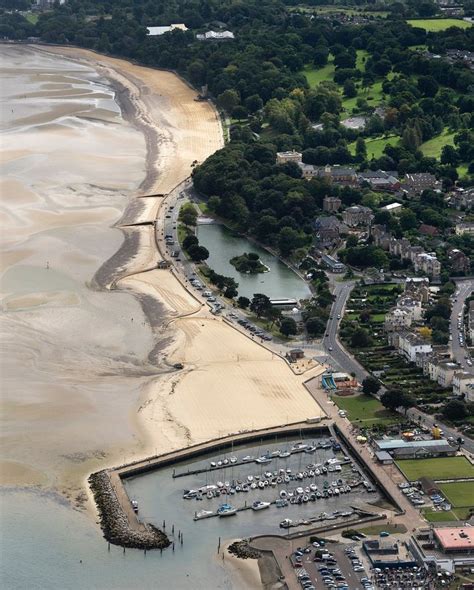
<point x="407" y="401"/>
<point x="230" y="292"/>
<point x="350" y="90"/>
<point x="449" y="155"/>
<point x="361" y="339"/>
<point x="455" y="410"/>
<point x="391" y="398"/>
<point x="254" y="103"/>
<point x="198" y="253"/>
<point x="243" y="302"/>
<point x="427" y="85"/>
<point x="407" y="220"/>
<point x="370" y="385"/>
<point x="260" y="304"/>
<point x="361" y="149"/>
<point x="228" y="100"/>
<point x="288" y="327"/>
<point x="189" y="241"/>
<point x="315" y="326"/>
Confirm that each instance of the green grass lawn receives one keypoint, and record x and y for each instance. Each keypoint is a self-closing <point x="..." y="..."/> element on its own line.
<point x="315" y="76"/>
<point x="439" y="468"/>
<point x="462" y="170"/>
<point x="32" y="18"/>
<point x="439" y="516"/>
<point x="432" y="148"/>
<point x="376" y="146"/>
<point x="438" y="24"/>
<point x="362" y="55"/>
<point x="460" y="494"/>
<point x="365" y="410"/>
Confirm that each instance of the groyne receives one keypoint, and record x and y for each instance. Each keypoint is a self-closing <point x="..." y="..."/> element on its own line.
<point x="114" y="520"/>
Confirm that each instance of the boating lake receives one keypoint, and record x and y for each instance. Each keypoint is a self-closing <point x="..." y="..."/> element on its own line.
<point x="281" y="282"/>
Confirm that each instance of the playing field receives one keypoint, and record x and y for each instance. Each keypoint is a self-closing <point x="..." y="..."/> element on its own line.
<point x="315" y="76"/>
<point x="460" y="494"/>
<point x="364" y="409"/>
<point x="438" y="24"/>
<point x="436" y="469"/>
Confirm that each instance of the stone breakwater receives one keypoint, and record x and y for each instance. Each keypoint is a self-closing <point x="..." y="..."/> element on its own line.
<point x="114" y="522"/>
<point x="243" y="550"/>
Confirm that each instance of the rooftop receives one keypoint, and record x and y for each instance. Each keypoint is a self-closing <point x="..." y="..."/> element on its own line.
<point x="399" y="443"/>
<point x="455" y="537"/>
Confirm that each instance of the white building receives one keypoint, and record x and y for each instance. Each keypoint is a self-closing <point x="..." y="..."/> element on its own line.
<point x="397" y="319"/>
<point x="410" y="344"/>
<point x="442" y="372"/>
<point x="215" y="36"/>
<point x="463" y="384"/>
<point x="157" y="31"/>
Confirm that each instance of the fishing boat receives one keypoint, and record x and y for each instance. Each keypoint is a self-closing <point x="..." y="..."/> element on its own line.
<point x="276" y="453"/>
<point x="284" y="454"/>
<point x="253" y="485"/>
<point x="281" y="503"/>
<point x="250" y="478"/>
<point x="285" y="524"/>
<point x="283" y="494"/>
<point x="299" y="491"/>
<point x="226" y="510"/>
<point x="213" y="464"/>
<point x="134" y="506"/>
<point x="220" y="484"/>
<point x="313" y="487"/>
<point x="263" y="459"/>
<point x="210" y="495"/>
<point x="259" y="505"/>
<point x="226" y="461"/>
<point x="261" y="485"/>
<point x="248" y="458"/>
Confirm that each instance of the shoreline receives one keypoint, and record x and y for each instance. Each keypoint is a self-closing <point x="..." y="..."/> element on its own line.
<point x="263" y="391"/>
<point x="229" y="383"/>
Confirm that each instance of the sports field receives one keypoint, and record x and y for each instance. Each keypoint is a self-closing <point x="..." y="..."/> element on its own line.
<point x="433" y="25"/>
<point x="460" y="494"/>
<point x="436" y="469"/>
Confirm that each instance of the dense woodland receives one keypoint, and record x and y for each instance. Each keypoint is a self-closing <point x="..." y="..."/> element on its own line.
<point x="258" y="81"/>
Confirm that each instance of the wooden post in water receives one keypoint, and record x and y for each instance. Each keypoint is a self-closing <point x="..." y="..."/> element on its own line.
<point x="173" y="546"/>
<point x="164" y="524"/>
<point x="172" y="529"/>
<point x="219" y="545"/>
<point x="108" y="547"/>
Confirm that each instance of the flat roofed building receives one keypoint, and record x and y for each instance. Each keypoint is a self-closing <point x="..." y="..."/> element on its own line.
<point x="455" y="539"/>
<point x="157" y="31"/>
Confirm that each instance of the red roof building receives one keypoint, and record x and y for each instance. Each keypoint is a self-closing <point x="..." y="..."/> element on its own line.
<point x="459" y="539"/>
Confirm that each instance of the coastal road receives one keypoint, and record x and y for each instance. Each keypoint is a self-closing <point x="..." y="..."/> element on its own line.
<point x="336" y="353"/>
<point x="464" y="288"/>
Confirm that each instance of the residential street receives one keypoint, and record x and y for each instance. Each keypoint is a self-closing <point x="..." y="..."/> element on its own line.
<point x="464" y="289"/>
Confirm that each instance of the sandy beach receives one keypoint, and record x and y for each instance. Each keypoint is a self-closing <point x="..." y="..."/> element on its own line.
<point x="229" y="383"/>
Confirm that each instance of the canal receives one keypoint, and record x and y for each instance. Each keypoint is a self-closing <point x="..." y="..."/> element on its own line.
<point x="281" y="282"/>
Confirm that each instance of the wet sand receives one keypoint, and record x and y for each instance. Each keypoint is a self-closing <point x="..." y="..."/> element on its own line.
<point x="229" y="383"/>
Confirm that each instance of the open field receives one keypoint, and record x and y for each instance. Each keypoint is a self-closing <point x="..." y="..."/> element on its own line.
<point x="315" y="76"/>
<point x="433" y="147"/>
<point x="433" y="25"/>
<point x="439" y="468"/>
<point x="376" y="146"/>
<point x="459" y="494"/>
<point x="31" y="18"/>
<point x="365" y="409"/>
